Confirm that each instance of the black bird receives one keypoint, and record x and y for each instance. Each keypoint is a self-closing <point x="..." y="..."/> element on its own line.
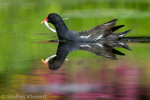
<point x="99" y="33"/>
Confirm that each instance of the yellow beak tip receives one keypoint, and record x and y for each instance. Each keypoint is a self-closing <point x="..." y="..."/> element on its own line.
<point x="42" y="22"/>
<point x="42" y="60"/>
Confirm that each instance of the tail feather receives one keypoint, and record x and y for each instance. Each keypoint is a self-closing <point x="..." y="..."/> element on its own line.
<point x="117" y="52"/>
<point x="122" y="34"/>
<point x="114" y="20"/>
<point x="123" y="45"/>
<point x="117" y="27"/>
<point x="106" y="27"/>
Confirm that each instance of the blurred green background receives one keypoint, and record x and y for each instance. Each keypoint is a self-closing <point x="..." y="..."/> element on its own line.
<point x="21" y="29"/>
<point x="20" y="24"/>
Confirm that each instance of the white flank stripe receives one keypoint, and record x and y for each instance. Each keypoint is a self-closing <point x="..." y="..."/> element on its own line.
<point x="99" y="44"/>
<point x="121" y="35"/>
<point x="85" y="46"/>
<point x="46" y="24"/>
<point x="47" y="59"/>
<point x="85" y="36"/>
<point x="121" y="43"/>
<point x="99" y="37"/>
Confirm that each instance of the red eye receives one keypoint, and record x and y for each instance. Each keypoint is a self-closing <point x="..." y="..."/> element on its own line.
<point x="51" y="16"/>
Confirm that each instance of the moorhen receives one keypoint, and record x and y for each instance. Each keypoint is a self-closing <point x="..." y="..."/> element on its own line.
<point x="102" y="32"/>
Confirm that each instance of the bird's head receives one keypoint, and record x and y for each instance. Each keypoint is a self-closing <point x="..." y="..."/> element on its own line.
<point x="52" y="62"/>
<point x="52" y="18"/>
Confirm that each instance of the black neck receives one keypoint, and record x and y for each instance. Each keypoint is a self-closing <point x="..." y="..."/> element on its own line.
<point x="60" y="28"/>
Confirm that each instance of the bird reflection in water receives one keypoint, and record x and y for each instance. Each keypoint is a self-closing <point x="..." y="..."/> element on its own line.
<point x="101" y="48"/>
<point x="99" y="40"/>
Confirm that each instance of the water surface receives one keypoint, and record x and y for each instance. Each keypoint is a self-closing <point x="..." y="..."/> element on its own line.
<point x="84" y="75"/>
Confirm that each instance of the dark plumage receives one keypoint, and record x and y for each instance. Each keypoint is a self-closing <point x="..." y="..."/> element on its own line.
<point x="99" y="33"/>
<point x="99" y="40"/>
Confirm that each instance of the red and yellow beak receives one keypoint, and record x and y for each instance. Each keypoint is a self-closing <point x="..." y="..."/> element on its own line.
<point x="43" y="61"/>
<point x="46" y="19"/>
